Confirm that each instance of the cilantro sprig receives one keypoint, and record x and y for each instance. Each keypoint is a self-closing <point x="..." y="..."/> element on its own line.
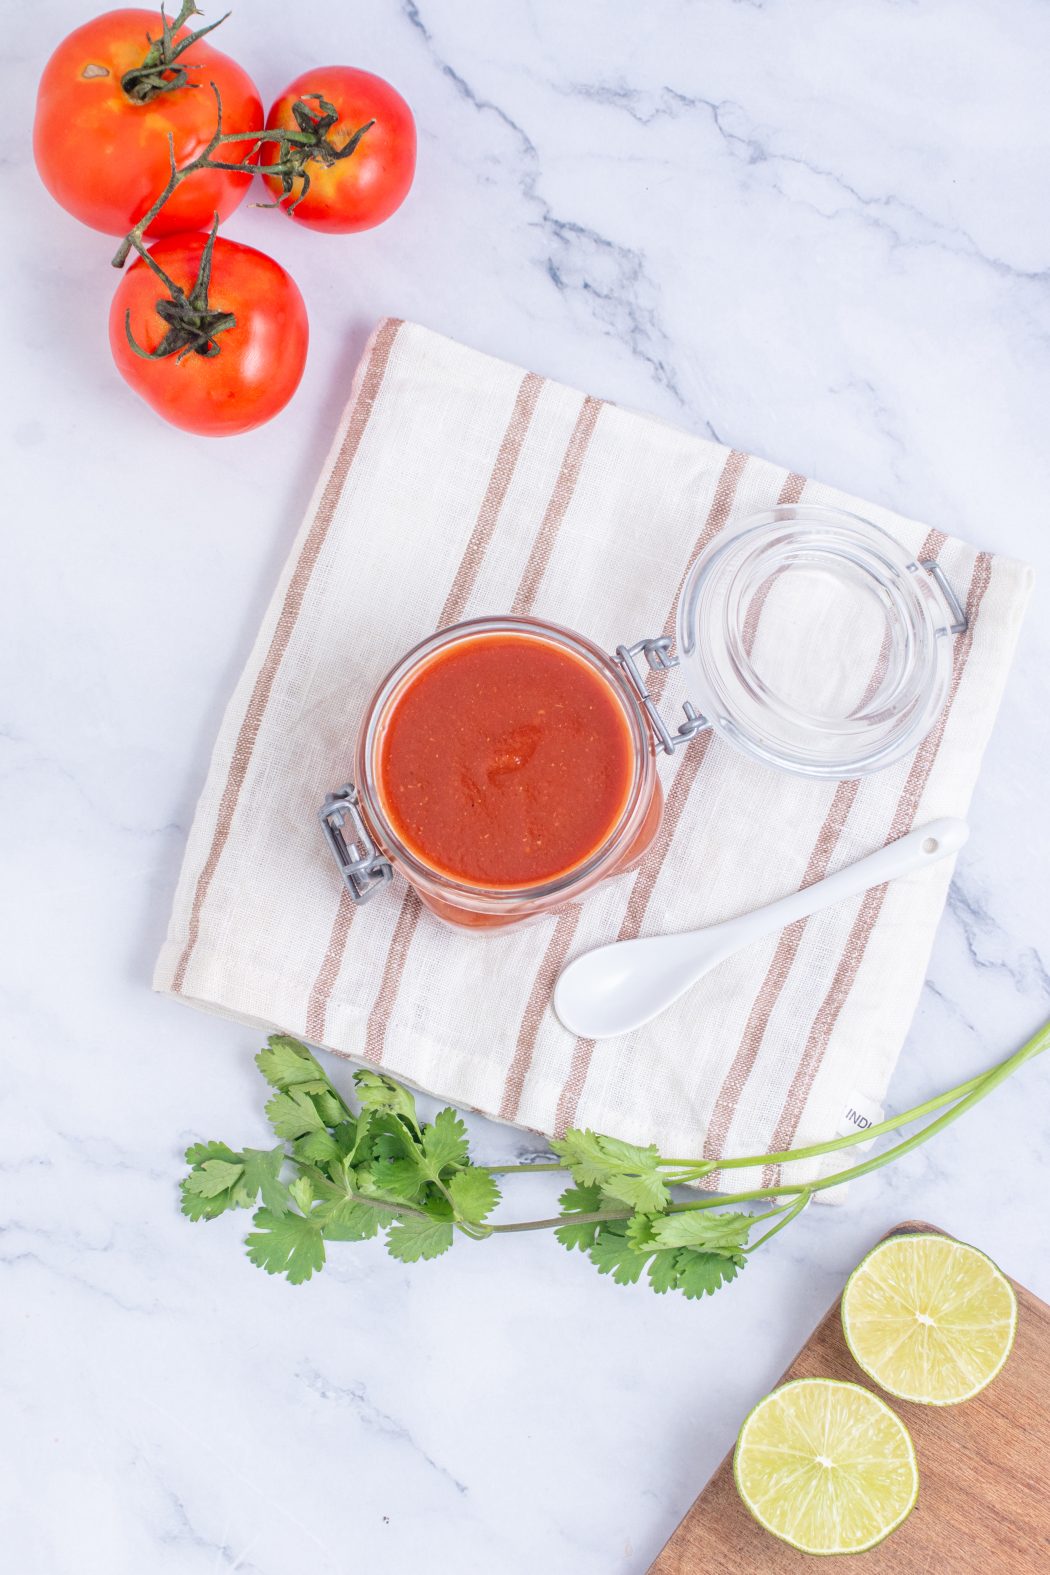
<point x="340" y="1174"/>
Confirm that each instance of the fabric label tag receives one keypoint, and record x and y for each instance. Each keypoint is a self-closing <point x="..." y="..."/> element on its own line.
<point x="859" y="1114"/>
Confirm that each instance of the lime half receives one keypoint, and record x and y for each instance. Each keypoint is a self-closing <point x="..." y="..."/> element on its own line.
<point x="928" y="1318"/>
<point x="826" y="1466"/>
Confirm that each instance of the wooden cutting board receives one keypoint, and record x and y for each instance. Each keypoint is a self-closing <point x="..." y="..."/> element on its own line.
<point x="984" y="1476"/>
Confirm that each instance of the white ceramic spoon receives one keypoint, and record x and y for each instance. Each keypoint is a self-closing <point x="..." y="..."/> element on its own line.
<point x="621" y="986"/>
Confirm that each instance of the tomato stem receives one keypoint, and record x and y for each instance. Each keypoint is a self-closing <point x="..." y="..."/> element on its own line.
<point x="193" y="325"/>
<point x="295" y="149"/>
<point x="160" y="71"/>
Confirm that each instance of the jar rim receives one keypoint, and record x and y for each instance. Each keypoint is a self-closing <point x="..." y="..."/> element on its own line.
<point x="864" y="567"/>
<point x="472" y="893"/>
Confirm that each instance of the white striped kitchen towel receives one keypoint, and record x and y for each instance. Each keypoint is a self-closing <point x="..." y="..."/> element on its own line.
<point x="458" y="486"/>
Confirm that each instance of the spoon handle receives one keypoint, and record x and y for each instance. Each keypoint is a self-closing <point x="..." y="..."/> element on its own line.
<point x="925" y="845"/>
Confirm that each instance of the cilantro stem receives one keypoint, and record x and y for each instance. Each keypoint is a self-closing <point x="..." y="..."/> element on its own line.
<point x="831" y="1145"/>
<point x="383" y="1203"/>
<point x="972" y="1092"/>
<point x="505" y="1170"/>
<point x="979" y="1088"/>
<point x="787" y="1215"/>
<point x="567" y="1219"/>
<point x="694" y="1169"/>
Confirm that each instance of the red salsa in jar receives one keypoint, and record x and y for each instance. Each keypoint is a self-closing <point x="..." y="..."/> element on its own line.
<point x="505" y="761"/>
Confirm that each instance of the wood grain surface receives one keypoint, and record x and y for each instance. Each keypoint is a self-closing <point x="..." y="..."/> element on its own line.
<point x="984" y="1476"/>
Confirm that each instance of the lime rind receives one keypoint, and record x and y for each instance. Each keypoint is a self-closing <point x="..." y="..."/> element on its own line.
<point x="976" y="1368"/>
<point x="859" y="1400"/>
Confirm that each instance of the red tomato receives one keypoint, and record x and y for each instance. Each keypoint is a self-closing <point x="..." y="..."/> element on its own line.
<point x="362" y="190"/>
<point x="259" y="361"/>
<point x="104" y="156"/>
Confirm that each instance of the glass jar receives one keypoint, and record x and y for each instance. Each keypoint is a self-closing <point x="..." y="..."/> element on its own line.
<point x="815" y="642"/>
<point x="377" y="846"/>
<point x="810" y="639"/>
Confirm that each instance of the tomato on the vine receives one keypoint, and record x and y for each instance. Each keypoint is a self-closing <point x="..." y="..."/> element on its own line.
<point x="108" y="99"/>
<point x="226" y="356"/>
<point x="339" y="191"/>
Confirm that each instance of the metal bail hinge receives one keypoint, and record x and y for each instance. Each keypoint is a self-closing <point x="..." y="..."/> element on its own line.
<point x="661" y="659"/>
<point x="363" y="868"/>
<point x="958" y="611"/>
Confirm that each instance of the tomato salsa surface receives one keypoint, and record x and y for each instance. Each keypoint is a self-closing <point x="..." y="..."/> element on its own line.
<point x="506" y="761"/>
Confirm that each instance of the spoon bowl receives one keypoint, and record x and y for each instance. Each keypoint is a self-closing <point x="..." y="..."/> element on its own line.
<point x="619" y="987"/>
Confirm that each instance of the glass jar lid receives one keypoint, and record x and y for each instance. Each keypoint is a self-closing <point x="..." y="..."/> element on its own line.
<point x="813" y="640"/>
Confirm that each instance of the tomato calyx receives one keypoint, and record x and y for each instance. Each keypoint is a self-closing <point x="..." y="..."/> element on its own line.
<point x="293" y="160"/>
<point x="193" y="324"/>
<point x="160" y="70"/>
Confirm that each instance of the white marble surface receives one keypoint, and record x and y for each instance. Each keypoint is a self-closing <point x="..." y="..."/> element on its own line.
<point x="819" y="230"/>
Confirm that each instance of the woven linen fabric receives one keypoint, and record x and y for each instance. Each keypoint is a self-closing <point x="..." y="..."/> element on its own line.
<point x="460" y="486"/>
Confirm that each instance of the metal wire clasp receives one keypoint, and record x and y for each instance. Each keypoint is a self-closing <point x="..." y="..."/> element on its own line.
<point x="363" y="867"/>
<point x="661" y="659"/>
<point x="955" y="606"/>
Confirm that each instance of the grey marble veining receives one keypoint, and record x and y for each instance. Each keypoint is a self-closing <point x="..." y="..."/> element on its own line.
<point x="819" y="233"/>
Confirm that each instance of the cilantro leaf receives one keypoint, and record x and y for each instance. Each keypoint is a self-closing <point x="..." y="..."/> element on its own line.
<point x="380" y="1093"/>
<point x="349" y="1220"/>
<point x="693" y="1272"/>
<point x="397" y="1177"/>
<point x="286" y="1061"/>
<point x="289" y="1244"/>
<point x="354" y="1133"/>
<point x="329" y="1106"/>
<point x="318" y="1147"/>
<point x="578" y="1200"/>
<point x="445" y="1142"/>
<point x="706" y="1228"/>
<point x="215" y="1182"/>
<point x="206" y="1205"/>
<point x="646" y="1192"/>
<point x="197" y="1207"/>
<point x="213" y="1177"/>
<point x="415" y="1236"/>
<point x="627" y="1156"/>
<point x="640" y="1232"/>
<point x="702" y="1273"/>
<point x="262" y="1168"/>
<point x="663" y="1272"/>
<point x="623" y="1170"/>
<point x="293" y="1114"/>
<point x="390" y="1137"/>
<point x="596" y="1156"/>
<point x="474" y="1195"/>
<point x="197" y="1153"/>
<point x="583" y="1154"/>
<point x="613" y="1254"/>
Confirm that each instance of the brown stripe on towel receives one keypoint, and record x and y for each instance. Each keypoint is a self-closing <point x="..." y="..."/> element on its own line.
<point x="371" y="382"/>
<point x="531" y="579"/>
<point x="396" y="957"/>
<point x="551" y="965"/>
<point x="560" y="498"/>
<point x="328" y="973"/>
<point x="492" y="503"/>
<point x="791" y="938"/>
<point x="459" y="593"/>
<point x="775" y="980"/>
<point x="646" y="877"/>
<point x="871" y="906"/>
<point x="717" y="515"/>
<point x="677" y="798"/>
